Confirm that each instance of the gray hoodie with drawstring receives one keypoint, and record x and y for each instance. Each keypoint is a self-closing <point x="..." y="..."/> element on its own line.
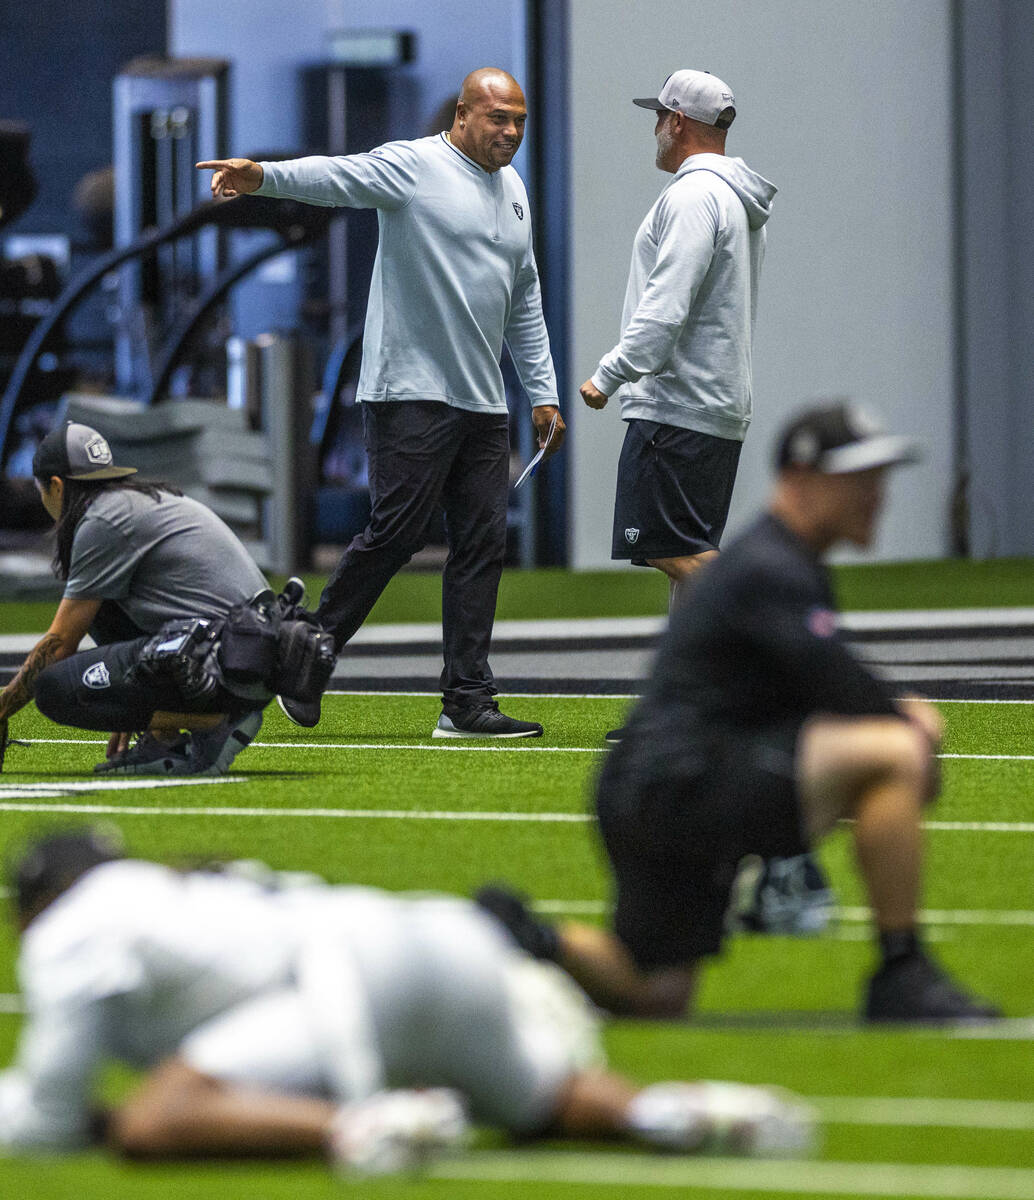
<point x="684" y="357"/>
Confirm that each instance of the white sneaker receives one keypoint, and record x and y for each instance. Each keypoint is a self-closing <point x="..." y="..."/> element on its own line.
<point x="397" y="1131"/>
<point x="723" y="1118"/>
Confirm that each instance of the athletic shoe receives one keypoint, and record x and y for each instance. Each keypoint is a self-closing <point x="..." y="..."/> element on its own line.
<point x="148" y="756"/>
<point x="615" y="737"/>
<point x="305" y="713"/>
<point x="790" y="896"/>
<point x="212" y="751"/>
<point x="396" y="1131"/>
<point x="723" y="1118"/>
<point x="511" y="910"/>
<point x="915" y="989"/>
<point x="484" y="721"/>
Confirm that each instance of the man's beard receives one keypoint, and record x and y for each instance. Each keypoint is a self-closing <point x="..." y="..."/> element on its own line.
<point x="665" y="141"/>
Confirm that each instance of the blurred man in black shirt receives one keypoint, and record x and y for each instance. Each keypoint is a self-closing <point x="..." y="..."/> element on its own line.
<point x="758" y="731"/>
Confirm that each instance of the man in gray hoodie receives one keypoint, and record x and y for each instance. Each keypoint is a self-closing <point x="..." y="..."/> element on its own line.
<point x="683" y="364"/>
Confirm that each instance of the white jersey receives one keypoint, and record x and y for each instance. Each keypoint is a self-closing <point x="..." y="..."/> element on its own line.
<point x="326" y="990"/>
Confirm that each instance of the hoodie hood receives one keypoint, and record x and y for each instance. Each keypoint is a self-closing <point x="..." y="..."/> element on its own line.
<point x="755" y="192"/>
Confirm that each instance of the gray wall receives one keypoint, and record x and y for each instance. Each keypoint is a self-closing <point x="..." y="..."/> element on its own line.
<point x="996" y="264"/>
<point x="846" y="106"/>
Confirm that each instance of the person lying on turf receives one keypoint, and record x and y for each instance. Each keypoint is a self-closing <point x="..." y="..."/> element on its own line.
<point x="284" y="1016"/>
<point x="758" y="731"/>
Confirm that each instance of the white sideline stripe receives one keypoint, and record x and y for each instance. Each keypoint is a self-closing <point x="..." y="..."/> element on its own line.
<point x="470" y="744"/>
<point x="73" y="787"/>
<point x="925" y="1111"/>
<point x="343" y="814"/>
<point x="980" y="827"/>
<point x="948" y="1182"/>
<point x="363" y="814"/>
<point x="928" y="916"/>
<point x="460" y="744"/>
<point x="602" y="696"/>
<point x="993" y="757"/>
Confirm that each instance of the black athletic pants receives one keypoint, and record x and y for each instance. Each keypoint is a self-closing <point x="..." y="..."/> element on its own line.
<point x="423" y="453"/>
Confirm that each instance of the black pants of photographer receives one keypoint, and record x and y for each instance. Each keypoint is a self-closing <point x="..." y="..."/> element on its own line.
<point x="93" y="690"/>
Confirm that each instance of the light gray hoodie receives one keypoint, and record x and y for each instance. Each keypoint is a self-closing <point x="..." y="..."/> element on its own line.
<point x="684" y="357"/>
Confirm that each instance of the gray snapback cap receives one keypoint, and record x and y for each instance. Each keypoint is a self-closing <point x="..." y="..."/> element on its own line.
<point x="696" y="94"/>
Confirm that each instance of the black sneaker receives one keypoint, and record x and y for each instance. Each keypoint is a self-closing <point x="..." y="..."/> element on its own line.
<point x="615" y="737"/>
<point x="915" y="989"/>
<point x="302" y="712"/>
<point x="148" y="756"/>
<point x="211" y="752"/>
<point x="511" y="910"/>
<point x="483" y="721"/>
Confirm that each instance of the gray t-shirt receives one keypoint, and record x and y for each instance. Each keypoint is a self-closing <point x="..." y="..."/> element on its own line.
<point x="159" y="560"/>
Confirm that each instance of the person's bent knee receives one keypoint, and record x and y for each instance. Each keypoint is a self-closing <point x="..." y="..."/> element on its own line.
<point x="841" y="759"/>
<point x="904" y="752"/>
<point x="54" y="695"/>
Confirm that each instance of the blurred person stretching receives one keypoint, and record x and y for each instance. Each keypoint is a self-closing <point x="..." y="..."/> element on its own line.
<point x="279" y="1016"/>
<point x="757" y="732"/>
<point x="454" y="277"/>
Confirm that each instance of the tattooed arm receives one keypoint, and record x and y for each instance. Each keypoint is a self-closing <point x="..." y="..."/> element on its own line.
<point x="68" y="628"/>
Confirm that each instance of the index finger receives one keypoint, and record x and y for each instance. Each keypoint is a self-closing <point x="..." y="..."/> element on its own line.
<point x="211" y="166"/>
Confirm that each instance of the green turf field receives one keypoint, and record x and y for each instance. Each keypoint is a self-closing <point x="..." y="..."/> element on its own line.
<point x="415" y="595"/>
<point x="368" y="797"/>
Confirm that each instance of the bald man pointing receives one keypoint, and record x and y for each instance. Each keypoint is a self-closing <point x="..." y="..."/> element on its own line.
<point x="454" y="278"/>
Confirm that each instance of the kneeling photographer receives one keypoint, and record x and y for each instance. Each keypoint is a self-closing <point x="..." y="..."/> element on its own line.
<point x="191" y="642"/>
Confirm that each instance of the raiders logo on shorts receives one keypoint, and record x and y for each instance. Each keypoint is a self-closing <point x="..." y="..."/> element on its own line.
<point x="632" y="536"/>
<point x="97" y="676"/>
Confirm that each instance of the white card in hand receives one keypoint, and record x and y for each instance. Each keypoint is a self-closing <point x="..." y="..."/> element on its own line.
<point x="530" y="468"/>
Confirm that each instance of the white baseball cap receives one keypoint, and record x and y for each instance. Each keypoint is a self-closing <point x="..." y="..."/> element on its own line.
<point x="696" y="94"/>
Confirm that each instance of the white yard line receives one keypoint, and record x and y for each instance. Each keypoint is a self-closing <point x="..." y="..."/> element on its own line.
<point x="602" y="1169"/>
<point x="334" y="814"/>
<point x="924" y="1111"/>
<point x="343" y="814"/>
<point x="471" y="744"/>
<point x="525" y="745"/>
<point x="1020" y="918"/>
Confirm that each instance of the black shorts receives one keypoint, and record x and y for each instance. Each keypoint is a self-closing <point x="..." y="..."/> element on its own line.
<point x="675" y="841"/>
<point x="673" y="492"/>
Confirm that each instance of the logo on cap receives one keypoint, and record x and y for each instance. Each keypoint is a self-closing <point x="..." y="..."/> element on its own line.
<point x="97" y="451"/>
